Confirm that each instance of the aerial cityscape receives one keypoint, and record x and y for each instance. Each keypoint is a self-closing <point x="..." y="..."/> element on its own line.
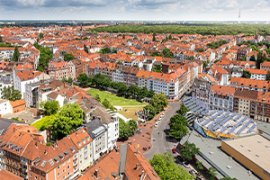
<point x="134" y="90"/>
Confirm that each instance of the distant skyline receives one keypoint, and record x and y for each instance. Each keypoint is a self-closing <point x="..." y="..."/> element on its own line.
<point x="156" y="10"/>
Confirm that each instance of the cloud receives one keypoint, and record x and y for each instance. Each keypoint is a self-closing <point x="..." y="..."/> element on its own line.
<point x="51" y="3"/>
<point x="152" y="4"/>
<point x="133" y="9"/>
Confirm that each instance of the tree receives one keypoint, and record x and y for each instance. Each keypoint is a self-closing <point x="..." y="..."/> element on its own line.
<point x="107" y="50"/>
<point x="199" y="165"/>
<point x="268" y="76"/>
<point x="178" y="127"/>
<point x="228" y="178"/>
<point x="68" y="118"/>
<point x="61" y="127"/>
<point x="40" y="36"/>
<point x="68" y="57"/>
<point x="11" y="94"/>
<point x="44" y="123"/>
<point x="188" y="151"/>
<point x="85" y="48"/>
<point x="212" y="173"/>
<point x="1" y="39"/>
<point x="124" y="130"/>
<point x="101" y="81"/>
<point x="154" y="37"/>
<point x="260" y="59"/>
<point x="132" y="126"/>
<point x="51" y="107"/>
<point x="45" y="56"/>
<point x="252" y="58"/>
<point x="157" y="68"/>
<point x="183" y="110"/>
<point x="159" y="101"/>
<point x="167" y="53"/>
<point x="246" y="74"/>
<point x="83" y="80"/>
<point x="106" y="103"/>
<point x="166" y="169"/>
<point x="16" y="54"/>
<point x="150" y="111"/>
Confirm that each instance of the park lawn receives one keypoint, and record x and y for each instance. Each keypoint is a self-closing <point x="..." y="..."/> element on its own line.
<point x="130" y="112"/>
<point x="114" y="99"/>
<point x="43" y="122"/>
<point x="130" y="106"/>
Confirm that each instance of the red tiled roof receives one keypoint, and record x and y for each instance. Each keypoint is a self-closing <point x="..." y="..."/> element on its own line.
<point x="27" y="74"/>
<point x="223" y="90"/>
<point x="257" y="71"/>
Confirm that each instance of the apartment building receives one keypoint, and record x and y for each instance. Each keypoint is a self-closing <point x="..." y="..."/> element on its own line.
<point x="245" y="83"/>
<point x="25" y="154"/>
<point x="201" y="87"/>
<point x="104" y="130"/>
<point x="253" y="104"/>
<point x="257" y="74"/>
<point x="221" y="98"/>
<point x="265" y="66"/>
<point x="23" y="77"/>
<point x="173" y="82"/>
<point x="60" y="70"/>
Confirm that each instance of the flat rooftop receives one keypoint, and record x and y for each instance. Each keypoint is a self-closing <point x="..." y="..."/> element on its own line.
<point x="211" y="152"/>
<point x="255" y="148"/>
<point x="228" y="123"/>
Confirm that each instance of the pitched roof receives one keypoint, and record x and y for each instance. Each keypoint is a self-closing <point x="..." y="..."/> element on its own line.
<point x="257" y="71"/>
<point x="223" y="90"/>
<point x="260" y="84"/>
<point x="17" y="103"/>
<point x="27" y="74"/>
<point x="6" y="175"/>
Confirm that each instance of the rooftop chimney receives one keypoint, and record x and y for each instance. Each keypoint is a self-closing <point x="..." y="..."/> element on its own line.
<point x="96" y="173"/>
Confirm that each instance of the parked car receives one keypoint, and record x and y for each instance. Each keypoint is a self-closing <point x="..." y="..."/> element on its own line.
<point x="185" y="164"/>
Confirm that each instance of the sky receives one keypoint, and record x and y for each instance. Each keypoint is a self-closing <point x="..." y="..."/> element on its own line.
<point x="167" y="10"/>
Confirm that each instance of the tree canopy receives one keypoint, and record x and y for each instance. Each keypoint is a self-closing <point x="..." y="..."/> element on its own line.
<point x="165" y="167"/>
<point x="183" y="110"/>
<point x="188" y="151"/>
<point x="178" y="127"/>
<point x="68" y="118"/>
<point x="45" y="56"/>
<point x="16" y="54"/>
<point x="68" y="57"/>
<point x="268" y="76"/>
<point x="107" y="50"/>
<point x="246" y="74"/>
<point x="11" y="94"/>
<point x="51" y="107"/>
<point x="203" y="29"/>
<point x="216" y="44"/>
<point x="127" y="129"/>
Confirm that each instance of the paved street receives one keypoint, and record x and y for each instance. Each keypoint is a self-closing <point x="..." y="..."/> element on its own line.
<point x="159" y="142"/>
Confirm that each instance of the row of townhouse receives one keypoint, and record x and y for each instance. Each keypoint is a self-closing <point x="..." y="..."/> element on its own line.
<point x="23" y="150"/>
<point x="246" y="101"/>
<point x="173" y="83"/>
<point x="64" y="70"/>
<point x="28" y="53"/>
